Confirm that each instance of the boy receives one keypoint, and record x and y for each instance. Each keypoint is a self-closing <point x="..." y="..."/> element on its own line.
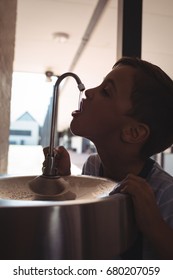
<point x="129" y="118"/>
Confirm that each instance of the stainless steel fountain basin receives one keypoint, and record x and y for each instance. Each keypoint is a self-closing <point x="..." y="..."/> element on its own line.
<point x="93" y="226"/>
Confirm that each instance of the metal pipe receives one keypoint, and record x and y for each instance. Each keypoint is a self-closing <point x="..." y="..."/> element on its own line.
<point x="98" y="11"/>
<point x="49" y="168"/>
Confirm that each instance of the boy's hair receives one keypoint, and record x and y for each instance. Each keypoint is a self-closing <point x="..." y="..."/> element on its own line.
<point x="152" y="99"/>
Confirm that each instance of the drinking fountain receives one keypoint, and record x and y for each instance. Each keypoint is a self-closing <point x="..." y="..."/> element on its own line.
<point x="68" y="217"/>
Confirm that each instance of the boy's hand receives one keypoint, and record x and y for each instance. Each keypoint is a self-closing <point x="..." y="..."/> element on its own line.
<point x="62" y="159"/>
<point x="146" y="210"/>
<point x="148" y="216"/>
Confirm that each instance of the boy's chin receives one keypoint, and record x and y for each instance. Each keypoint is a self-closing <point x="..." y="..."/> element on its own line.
<point x="75" y="130"/>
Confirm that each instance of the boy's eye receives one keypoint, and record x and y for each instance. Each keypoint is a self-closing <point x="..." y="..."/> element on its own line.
<point x="106" y="91"/>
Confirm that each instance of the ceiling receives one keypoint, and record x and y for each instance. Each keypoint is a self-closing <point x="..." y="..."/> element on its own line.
<point x="90" y="50"/>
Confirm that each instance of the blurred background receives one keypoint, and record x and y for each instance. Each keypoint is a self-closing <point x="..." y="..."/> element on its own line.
<point x="51" y="37"/>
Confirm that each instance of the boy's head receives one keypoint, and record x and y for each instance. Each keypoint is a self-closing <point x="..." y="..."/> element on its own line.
<point x="152" y="103"/>
<point x="131" y="108"/>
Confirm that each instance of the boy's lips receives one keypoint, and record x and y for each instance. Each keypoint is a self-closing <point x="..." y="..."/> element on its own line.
<point x="75" y="113"/>
<point x="79" y="111"/>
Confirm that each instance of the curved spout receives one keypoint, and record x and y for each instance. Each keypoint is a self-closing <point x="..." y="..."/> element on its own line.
<point x="49" y="164"/>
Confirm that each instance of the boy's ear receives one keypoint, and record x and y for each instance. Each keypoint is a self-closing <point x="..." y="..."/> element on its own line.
<point x="136" y="133"/>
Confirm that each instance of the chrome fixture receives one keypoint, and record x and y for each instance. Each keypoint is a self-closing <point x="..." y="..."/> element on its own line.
<point x="50" y="168"/>
<point x="44" y="184"/>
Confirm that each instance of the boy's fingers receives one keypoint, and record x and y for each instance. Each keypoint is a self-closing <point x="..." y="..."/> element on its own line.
<point x="45" y="150"/>
<point x="58" y="151"/>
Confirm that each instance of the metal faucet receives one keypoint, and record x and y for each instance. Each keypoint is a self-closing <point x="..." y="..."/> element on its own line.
<point x="49" y="168"/>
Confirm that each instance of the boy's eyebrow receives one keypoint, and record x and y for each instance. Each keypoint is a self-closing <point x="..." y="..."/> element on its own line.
<point x="111" y="81"/>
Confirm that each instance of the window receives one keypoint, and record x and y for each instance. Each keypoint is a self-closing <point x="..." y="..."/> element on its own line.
<point x="20" y="132"/>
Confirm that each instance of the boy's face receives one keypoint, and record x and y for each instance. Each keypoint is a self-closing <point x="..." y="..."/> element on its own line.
<point x="103" y="112"/>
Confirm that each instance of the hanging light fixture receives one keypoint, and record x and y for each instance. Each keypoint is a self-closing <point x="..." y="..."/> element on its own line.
<point x="60" y="37"/>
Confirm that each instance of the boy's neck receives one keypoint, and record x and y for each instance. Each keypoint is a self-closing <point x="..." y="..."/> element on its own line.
<point x="117" y="166"/>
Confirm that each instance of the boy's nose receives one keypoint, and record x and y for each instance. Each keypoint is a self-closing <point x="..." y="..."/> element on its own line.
<point x="89" y="93"/>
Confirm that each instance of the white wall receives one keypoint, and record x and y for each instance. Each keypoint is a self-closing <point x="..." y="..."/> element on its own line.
<point x="168" y="163"/>
<point x="76" y="143"/>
